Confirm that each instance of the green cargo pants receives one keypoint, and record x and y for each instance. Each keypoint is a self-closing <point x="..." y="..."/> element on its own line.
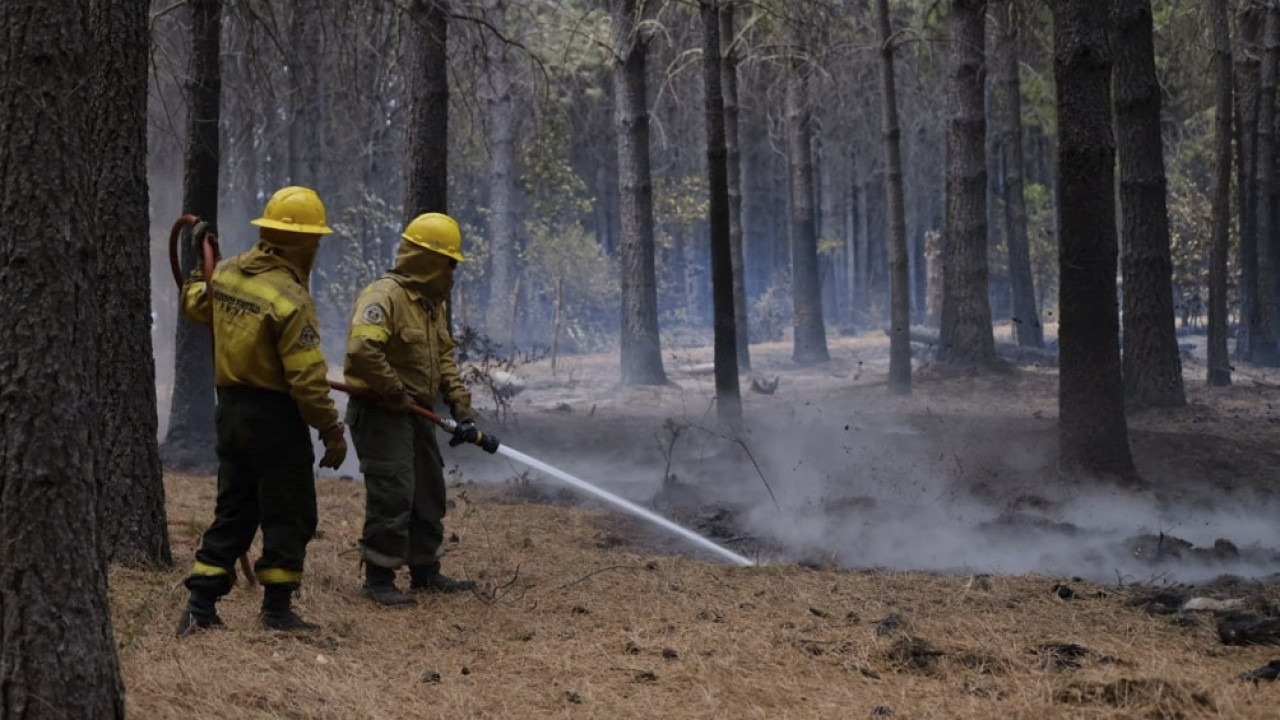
<point x="265" y="479"/>
<point x="403" y="483"/>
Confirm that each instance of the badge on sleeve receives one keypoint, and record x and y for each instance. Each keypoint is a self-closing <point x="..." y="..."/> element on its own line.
<point x="375" y="315"/>
<point x="308" y="338"/>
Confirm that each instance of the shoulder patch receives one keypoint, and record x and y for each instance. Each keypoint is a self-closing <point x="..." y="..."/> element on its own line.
<point x="308" y="338"/>
<point x="374" y="314"/>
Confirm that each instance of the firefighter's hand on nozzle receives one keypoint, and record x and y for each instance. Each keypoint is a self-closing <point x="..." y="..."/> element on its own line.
<point x="335" y="446"/>
<point x="465" y="432"/>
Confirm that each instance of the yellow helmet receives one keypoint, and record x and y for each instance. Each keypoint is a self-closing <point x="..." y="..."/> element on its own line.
<point x="294" y="209"/>
<point x="437" y="232"/>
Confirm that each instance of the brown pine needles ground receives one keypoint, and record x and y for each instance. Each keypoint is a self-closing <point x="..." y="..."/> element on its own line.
<point x="572" y="624"/>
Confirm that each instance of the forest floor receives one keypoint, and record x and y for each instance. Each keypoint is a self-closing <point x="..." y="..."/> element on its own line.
<point x="918" y="557"/>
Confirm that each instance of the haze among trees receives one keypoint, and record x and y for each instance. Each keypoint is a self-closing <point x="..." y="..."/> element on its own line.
<point x="633" y="177"/>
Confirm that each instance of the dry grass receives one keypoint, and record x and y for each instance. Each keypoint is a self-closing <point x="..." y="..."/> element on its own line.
<point x="570" y="627"/>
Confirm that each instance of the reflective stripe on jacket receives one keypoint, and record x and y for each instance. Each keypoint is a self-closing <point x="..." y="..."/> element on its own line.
<point x="265" y="332"/>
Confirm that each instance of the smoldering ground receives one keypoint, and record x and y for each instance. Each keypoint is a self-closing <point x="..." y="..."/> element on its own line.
<point x="960" y="478"/>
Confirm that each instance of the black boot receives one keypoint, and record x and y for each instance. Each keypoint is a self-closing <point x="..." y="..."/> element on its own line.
<point x="380" y="586"/>
<point x="427" y="578"/>
<point x="277" y="610"/>
<point x="201" y="613"/>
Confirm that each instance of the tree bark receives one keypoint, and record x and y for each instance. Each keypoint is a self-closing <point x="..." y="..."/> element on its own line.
<point x="495" y="90"/>
<point x="728" y="395"/>
<point x="900" y="280"/>
<point x="1263" y="335"/>
<point x="426" y="167"/>
<point x="1219" y="374"/>
<point x="810" y="339"/>
<point x="641" y="346"/>
<point x="1093" y="433"/>
<point x="1152" y="368"/>
<point x="57" y="654"/>
<point x="1248" y="68"/>
<point x="1026" y="316"/>
<point x="733" y="152"/>
<point x="189" y="444"/>
<point x="967" y="340"/>
<point x="127" y="467"/>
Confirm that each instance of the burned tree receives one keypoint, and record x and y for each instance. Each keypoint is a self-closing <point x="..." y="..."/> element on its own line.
<point x="1093" y="433"/>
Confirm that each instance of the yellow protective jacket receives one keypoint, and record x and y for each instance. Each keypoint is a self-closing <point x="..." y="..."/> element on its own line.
<point x="265" y="333"/>
<point x="400" y="339"/>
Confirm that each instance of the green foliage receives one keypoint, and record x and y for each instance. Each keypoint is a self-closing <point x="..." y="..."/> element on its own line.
<point x="770" y="315"/>
<point x="1042" y="238"/>
<point x="369" y="231"/>
<point x="569" y="256"/>
<point x="1189" y="167"/>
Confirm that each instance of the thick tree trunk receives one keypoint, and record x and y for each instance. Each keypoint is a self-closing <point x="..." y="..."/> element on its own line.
<point x="495" y="90"/>
<point x="641" y="346"/>
<point x="1151" y="366"/>
<point x="967" y="340"/>
<point x="1026" y="316"/>
<point x="733" y="152"/>
<point x="1248" y="67"/>
<point x="900" y="324"/>
<point x="1263" y="334"/>
<point x="426" y="167"/>
<point x="1093" y="433"/>
<point x="131" y="489"/>
<point x="728" y="395"/>
<point x="1219" y="374"/>
<point x="57" y="655"/>
<point x="810" y="339"/>
<point x="189" y="444"/>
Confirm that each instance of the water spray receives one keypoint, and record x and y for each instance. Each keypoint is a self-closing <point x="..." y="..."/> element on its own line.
<point x="624" y="504"/>
<point x="488" y="441"/>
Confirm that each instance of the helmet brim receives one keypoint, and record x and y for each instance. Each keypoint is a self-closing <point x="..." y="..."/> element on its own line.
<point x="292" y="227"/>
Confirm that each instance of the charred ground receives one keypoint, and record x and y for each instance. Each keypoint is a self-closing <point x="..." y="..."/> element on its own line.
<point x="921" y="559"/>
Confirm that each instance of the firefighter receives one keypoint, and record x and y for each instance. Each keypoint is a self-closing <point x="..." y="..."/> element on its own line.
<point x="271" y="382"/>
<point x="399" y="353"/>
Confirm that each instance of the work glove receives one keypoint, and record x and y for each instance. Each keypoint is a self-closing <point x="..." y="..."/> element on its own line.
<point x="397" y="402"/>
<point x="467" y="432"/>
<point x="335" y="446"/>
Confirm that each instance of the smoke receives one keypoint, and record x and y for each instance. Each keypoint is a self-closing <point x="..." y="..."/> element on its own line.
<point x="917" y="490"/>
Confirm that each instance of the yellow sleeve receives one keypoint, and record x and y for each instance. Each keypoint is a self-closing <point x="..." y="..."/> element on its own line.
<point x="452" y="388"/>
<point x="298" y="343"/>
<point x="366" y="361"/>
<point x="195" y="299"/>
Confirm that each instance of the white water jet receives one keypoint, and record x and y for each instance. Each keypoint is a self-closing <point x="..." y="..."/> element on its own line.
<point x="624" y="504"/>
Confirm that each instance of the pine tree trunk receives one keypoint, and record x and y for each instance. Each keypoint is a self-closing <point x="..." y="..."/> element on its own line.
<point x="900" y="325"/>
<point x="728" y="395"/>
<point x="810" y="339"/>
<point x="1219" y="374"/>
<point x="1152" y="367"/>
<point x="1263" y="334"/>
<point x="733" y="151"/>
<point x="1026" y="316"/>
<point x="426" y="167"/>
<point x="57" y="654"/>
<point x="966" y="339"/>
<point x="495" y="91"/>
<point x="189" y="444"/>
<point x="1248" y="86"/>
<point x="127" y="459"/>
<point x="641" y="346"/>
<point x="1093" y="432"/>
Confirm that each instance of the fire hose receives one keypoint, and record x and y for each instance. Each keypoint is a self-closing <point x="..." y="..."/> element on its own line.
<point x="209" y="252"/>
<point x="207" y="242"/>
